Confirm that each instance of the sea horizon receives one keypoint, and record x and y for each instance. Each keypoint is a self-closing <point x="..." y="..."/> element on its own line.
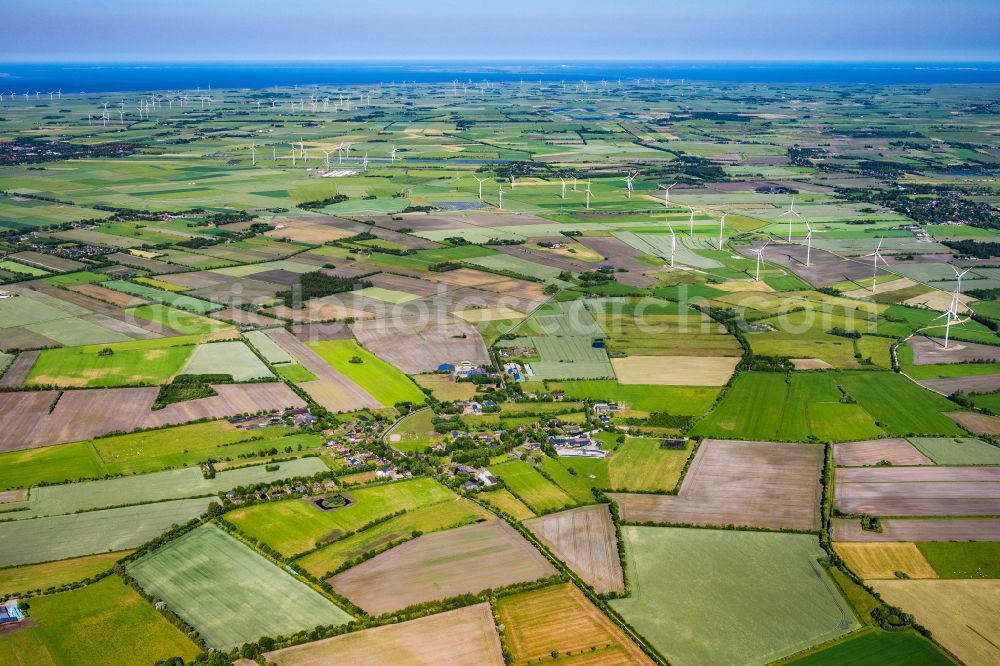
<point x="122" y="76"/>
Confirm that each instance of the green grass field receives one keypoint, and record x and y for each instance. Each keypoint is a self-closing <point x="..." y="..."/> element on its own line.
<point x="229" y="593"/>
<point x="226" y="358"/>
<point x="154" y="487"/>
<point x="526" y="483"/>
<point x="387" y="384"/>
<point x="734" y="597"/>
<point x="104" y="623"/>
<point x="91" y="532"/>
<point x="137" y="362"/>
<point x="196" y="305"/>
<point x="681" y="400"/>
<point x="764" y="406"/>
<point x="186" y="323"/>
<point x="641" y="465"/>
<point x="963" y="559"/>
<point x="141" y="452"/>
<point x="443" y="515"/>
<point x="576" y="486"/>
<point x="295" y="373"/>
<point x="503" y="500"/>
<point x="415" y="432"/>
<point x="901" y="405"/>
<point x="294" y="526"/>
<point x="957" y="450"/>
<point x="53" y="574"/>
<point x="268" y="348"/>
<point x="874" y="647"/>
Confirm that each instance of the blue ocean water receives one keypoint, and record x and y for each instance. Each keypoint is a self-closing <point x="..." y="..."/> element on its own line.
<point x="105" y="77"/>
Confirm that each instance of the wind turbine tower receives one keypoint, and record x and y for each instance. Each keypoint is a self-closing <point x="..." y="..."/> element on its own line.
<point x="791" y="213"/>
<point x="759" y="252"/>
<point x="875" y="257"/>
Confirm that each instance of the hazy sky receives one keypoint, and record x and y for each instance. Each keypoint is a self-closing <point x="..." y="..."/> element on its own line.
<point x="102" y="30"/>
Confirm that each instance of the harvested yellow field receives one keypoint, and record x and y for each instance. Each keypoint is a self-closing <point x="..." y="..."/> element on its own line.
<point x="445" y="388"/>
<point x="463" y="636"/>
<point x="960" y="613"/>
<point x="560" y="618"/>
<point x="742" y="285"/>
<point x="810" y="364"/>
<point x="885" y="287"/>
<point x="474" y="315"/>
<point x="675" y="370"/>
<point x="883" y="560"/>
<point x="938" y="300"/>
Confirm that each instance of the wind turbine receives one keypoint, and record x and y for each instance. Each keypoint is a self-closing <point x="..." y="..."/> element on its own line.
<point x="392" y="155"/>
<point x="759" y="252"/>
<point x="809" y="237"/>
<point x="480" y="181"/>
<point x="253" y="154"/>
<point x="673" y="244"/>
<point x="500" y="206"/>
<point x="875" y="257"/>
<point x="628" y="182"/>
<point x="589" y="193"/>
<point x="952" y="313"/>
<point x="574" y="183"/>
<point x="666" y="194"/>
<point x="326" y="154"/>
<point x="691" y="223"/>
<point x="293" y="153"/>
<point x="791" y="213"/>
<point x="722" y="226"/>
<point x="364" y="162"/>
<point x="562" y="194"/>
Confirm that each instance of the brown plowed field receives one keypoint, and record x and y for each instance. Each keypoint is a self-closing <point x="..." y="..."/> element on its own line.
<point x="463" y="637"/>
<point x="980" y="424"/>
<point x="23" y="413"/>
<point x="441" y="565"/>
<point x="931" y="351"/>
<point x="18" y="370"/>
<point x="919" y="491"/>
<point x="585" y="539"/>
<point x="973" y="384"/>
<point x="87" y="413"/>
<point x="621" y="255"/>
<point x="825" y="268"/>
<point x="757" y="484"/>
<point x="849" y="529"/>
<point x="111" y="296"/>
<point x="560" y="618"/>
<point x="421" y="349"/>
<point x="897" y="450"/>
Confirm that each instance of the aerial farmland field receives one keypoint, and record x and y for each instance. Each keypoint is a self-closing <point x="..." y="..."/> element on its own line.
<point x="771" y="610"/>
<point x="492" y="362"/>
<point x="296" y="526"/>
<point x="106" y="621"/>
<point x="441" y="565"/>
<point x="466" y="635"/>
<point x="185" y="574"/>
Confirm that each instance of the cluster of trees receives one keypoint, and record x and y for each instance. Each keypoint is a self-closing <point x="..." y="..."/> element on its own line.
<point x="322" y="203"/>
<point x="318" y="284"/>
<point x="971" y="248"/>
